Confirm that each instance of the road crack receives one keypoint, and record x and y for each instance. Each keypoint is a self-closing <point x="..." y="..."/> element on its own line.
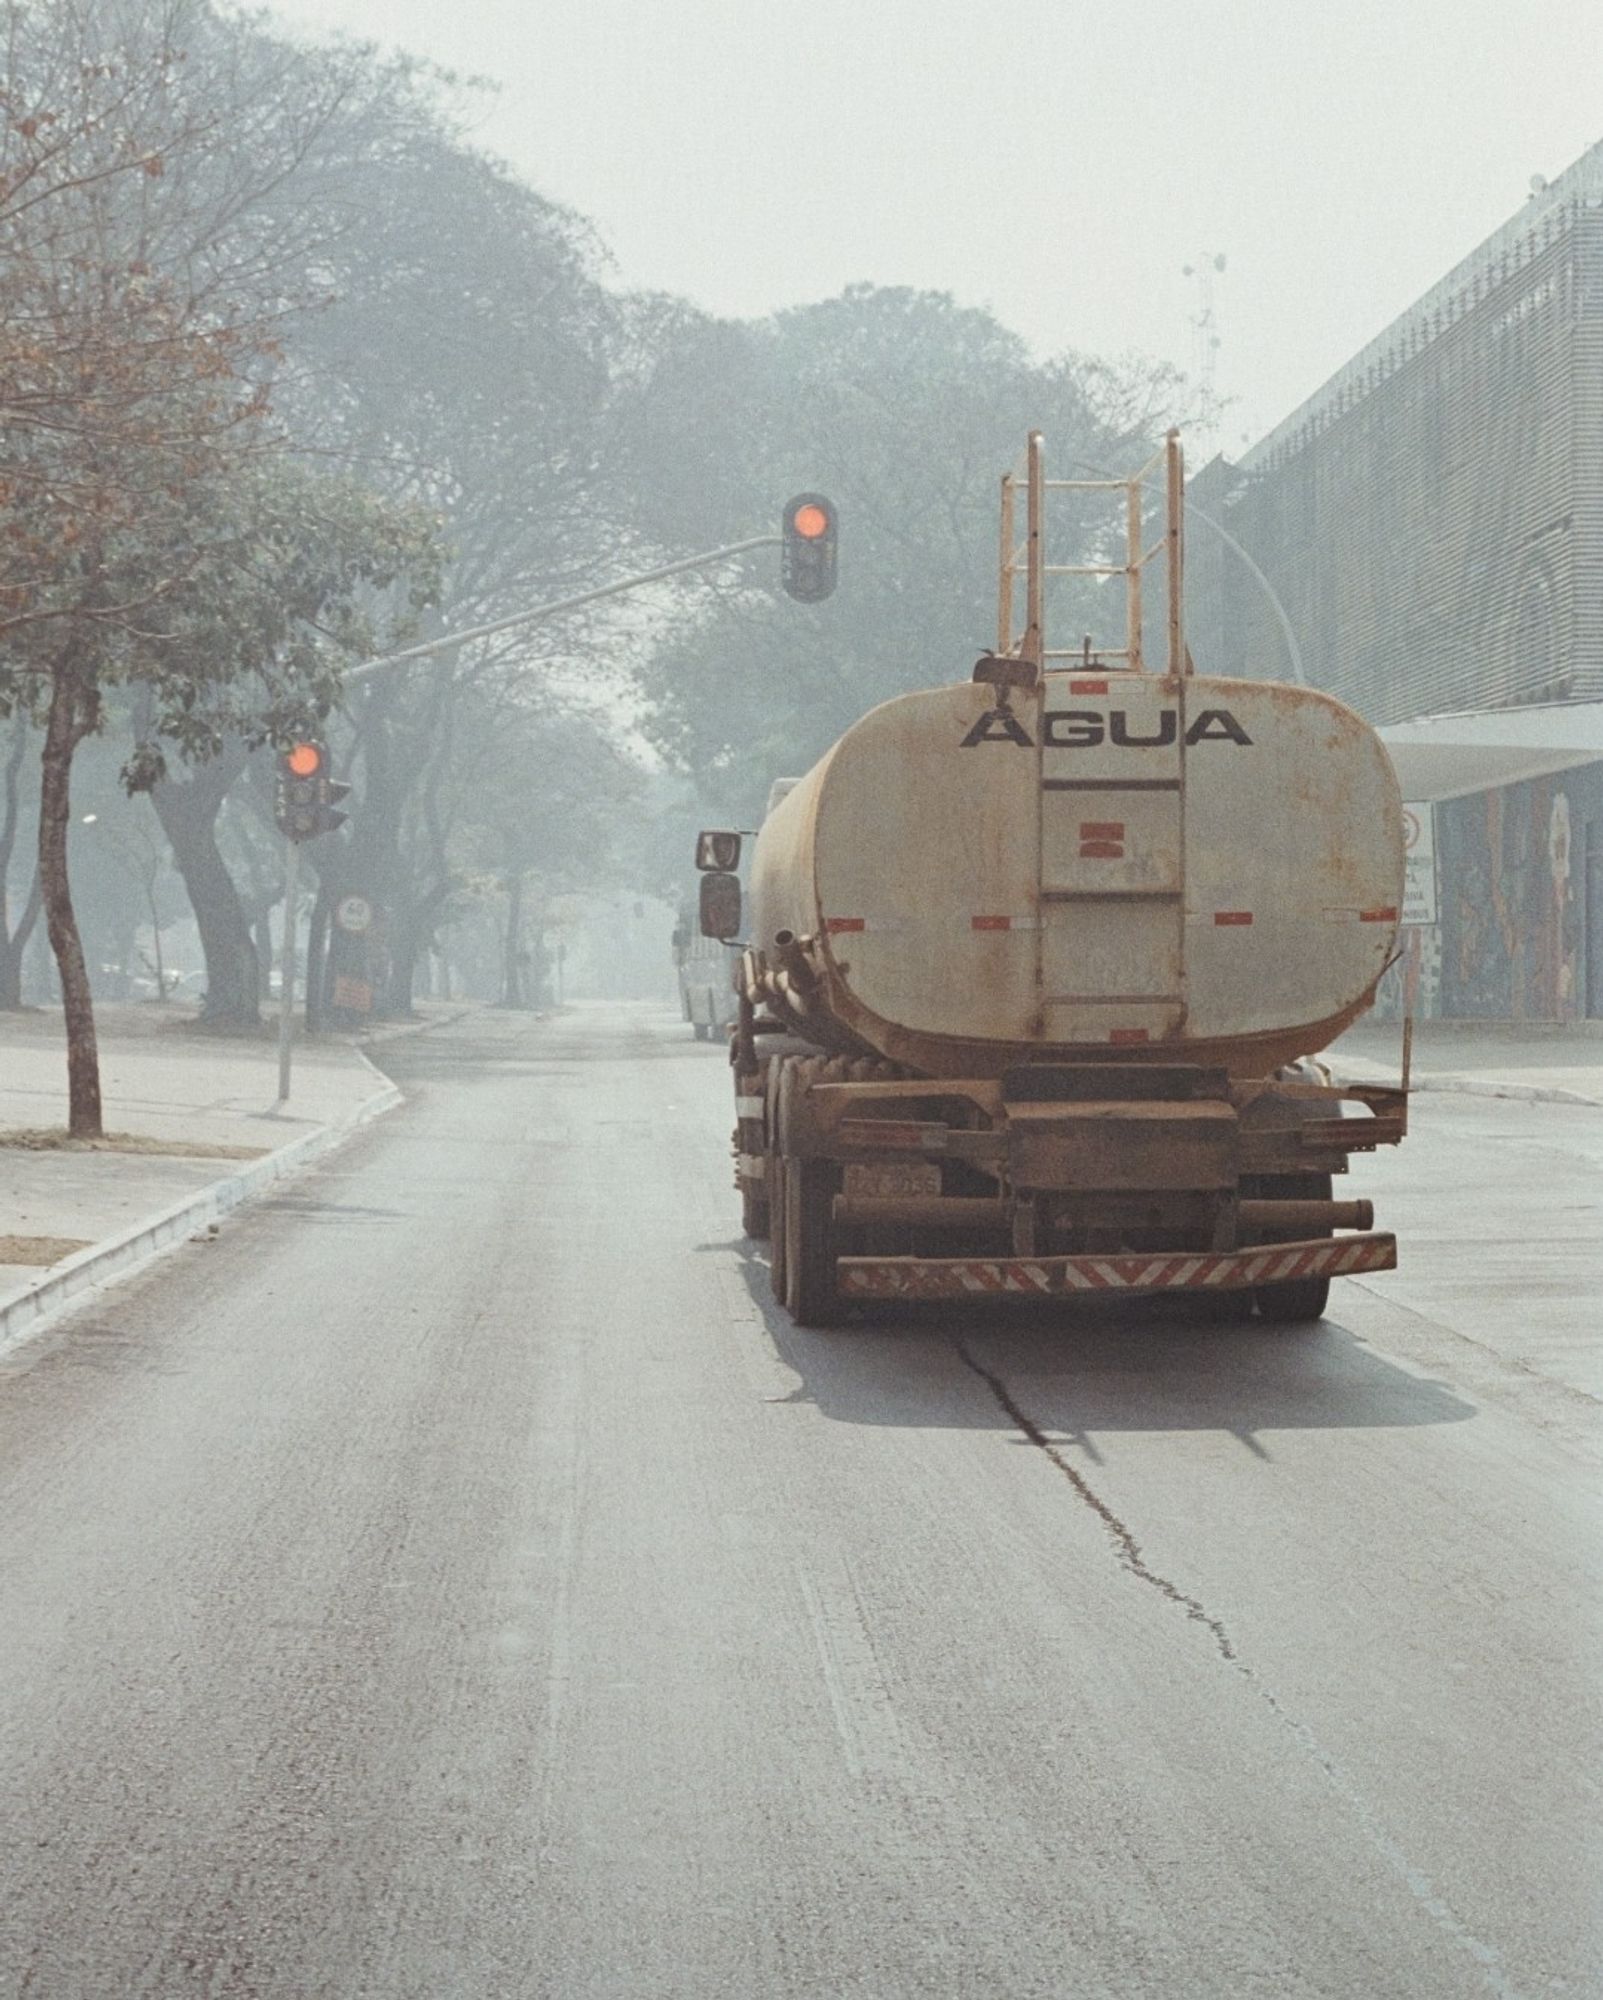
<point x="1419" y="1885"/>
<point x="1124" y="1541"/>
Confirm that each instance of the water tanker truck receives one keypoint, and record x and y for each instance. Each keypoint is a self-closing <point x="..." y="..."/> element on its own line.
<point x="1036" y="967"/>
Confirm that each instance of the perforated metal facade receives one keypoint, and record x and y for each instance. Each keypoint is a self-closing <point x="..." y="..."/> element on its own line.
<point x="1433" y="518"/>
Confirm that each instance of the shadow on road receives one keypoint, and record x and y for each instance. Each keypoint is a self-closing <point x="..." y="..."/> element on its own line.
<point x="1135" y="1365"/>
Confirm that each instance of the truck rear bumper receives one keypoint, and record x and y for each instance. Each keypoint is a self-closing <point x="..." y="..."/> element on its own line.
<point x="1083" y="1277"/>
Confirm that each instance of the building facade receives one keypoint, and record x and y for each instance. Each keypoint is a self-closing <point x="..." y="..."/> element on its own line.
<point x="1432" y="522"/>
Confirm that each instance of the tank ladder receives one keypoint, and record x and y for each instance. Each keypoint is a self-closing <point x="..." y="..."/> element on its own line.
<point x="1111" y="926"/>
<point x="1026" y="562"/>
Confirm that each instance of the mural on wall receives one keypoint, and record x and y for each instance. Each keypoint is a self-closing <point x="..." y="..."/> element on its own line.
<point x="1511" y="910"/>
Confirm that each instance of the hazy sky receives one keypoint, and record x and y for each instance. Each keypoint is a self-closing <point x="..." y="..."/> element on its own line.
<point x="1059" y="163"/>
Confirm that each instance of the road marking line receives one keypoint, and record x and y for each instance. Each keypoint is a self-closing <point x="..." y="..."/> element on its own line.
<point x="834" y="1686"/>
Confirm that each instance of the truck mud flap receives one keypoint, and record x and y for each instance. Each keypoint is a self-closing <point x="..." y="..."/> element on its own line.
<point x="1081" y="1277"/>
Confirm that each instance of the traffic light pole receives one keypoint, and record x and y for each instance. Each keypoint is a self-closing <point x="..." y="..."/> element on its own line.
<point x="286" y="976"/>
<point x="453" y="639"/>
<point x="450" y="641"/>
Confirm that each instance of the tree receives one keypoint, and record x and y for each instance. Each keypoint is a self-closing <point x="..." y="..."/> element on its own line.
<point x="122" y="879"/>
<point x="306" y="570"/>
<point x="138" y="855"/>
<point x="116" y="394"/>
<point x="467" y="357"/>
<point x="546" y="795"/>
<point x="133" y="359"/>
<point x="904" y="407"/>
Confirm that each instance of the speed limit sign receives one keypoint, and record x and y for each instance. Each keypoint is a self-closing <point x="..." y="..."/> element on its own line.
<point x="1419" y="850"/>
<point x="353" y="914"/>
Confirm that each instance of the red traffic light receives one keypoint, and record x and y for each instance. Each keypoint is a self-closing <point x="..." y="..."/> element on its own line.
<point x="306" y="792"/>
<point x="807" y="547"/>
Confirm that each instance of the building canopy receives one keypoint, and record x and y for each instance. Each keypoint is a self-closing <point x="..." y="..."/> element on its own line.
<point x="1449" y="756"/>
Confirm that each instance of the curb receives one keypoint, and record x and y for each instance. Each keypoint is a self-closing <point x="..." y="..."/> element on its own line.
<point x="1472" y="1086"/>
<point x="118" y="1255"/>
<point x="1524" y="1093"/>
<point x="367" y="1037"/>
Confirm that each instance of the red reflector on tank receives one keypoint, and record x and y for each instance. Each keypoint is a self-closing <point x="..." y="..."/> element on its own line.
<point x="834" y="925"/>
<point x="1377" y="916"/>
<point x="1127" y="1035"/>
<point x="1232" y="916"/>
<point x="1088" y="687"/>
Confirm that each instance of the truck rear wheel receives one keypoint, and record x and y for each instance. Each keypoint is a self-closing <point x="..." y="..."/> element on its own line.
<point x="1300" y="1301"/>
<point x="776" y="1227"/>
<point x="753" y="1212"/>
<point x="812" y="1296"/>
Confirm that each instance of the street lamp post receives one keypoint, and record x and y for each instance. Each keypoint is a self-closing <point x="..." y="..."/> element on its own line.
<point x="1282" y="618"/>
<point x="1293" y="650"/>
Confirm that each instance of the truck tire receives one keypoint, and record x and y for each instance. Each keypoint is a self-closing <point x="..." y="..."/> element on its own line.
<point x="812" y="1296"/>
<point x="751" y="1138"/>
<point x="1297" y="1302"/>
<point x="1215" y="1308"/>
<point x="776" y="1228"/>
<point x="1300" y="1301"/>
<point x="753" y="1212"/>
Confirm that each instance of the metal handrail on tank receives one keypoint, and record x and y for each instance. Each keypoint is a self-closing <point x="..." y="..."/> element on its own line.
<point x="1028" y="559"/>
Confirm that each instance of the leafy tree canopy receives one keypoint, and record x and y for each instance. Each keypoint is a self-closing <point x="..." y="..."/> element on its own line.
<point x="903" y="406"/>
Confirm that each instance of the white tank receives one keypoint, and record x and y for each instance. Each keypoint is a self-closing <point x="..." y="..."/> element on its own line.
<point x="1202" y="869"/>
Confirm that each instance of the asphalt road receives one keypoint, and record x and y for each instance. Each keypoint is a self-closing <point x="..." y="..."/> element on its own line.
<point x="457" y="1581"/>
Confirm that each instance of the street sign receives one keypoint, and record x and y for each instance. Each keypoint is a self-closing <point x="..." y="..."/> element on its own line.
<point x="1419" y="849"/>
<point x="354" y="995"/>
<point x="354" y="914"/>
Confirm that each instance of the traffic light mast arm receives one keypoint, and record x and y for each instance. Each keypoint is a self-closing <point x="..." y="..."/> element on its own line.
<point x="453" y="639"/>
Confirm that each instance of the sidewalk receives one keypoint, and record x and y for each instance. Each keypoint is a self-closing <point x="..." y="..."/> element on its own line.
<point x="192" y="1131"/>
<point x="1540" y="1063"/>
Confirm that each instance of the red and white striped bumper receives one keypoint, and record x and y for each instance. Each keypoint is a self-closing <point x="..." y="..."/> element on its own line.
<point x="1080" y="1277"/>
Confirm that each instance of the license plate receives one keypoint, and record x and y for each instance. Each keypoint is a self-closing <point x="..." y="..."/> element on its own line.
<point x="896" y="1177"/>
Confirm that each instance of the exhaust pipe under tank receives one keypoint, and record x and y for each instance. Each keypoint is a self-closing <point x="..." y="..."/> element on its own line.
<point x="796" y="982"/>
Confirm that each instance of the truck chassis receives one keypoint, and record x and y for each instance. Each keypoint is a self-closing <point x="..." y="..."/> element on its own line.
<point x="1078" y="1180"/>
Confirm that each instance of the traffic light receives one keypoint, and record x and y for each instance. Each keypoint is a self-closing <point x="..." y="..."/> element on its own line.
<point x="807" y="552"/>
<point x="307" y="795"/>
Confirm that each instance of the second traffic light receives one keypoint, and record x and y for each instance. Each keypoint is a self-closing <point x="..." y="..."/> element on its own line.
<point x="307" y="795"/>
<point x="807" y="549"/>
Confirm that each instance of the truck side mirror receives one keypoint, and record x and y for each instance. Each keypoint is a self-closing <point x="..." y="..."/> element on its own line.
<point x="720" y="906"/>
<point x="719" y="849"/>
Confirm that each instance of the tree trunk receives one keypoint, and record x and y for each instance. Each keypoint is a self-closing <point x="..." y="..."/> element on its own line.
<point x="512" y="950"/>
<point x="400" y="987"/>
<point x="155" y="939"/>
<point x="410" y="938"/>
<point x="13" y="943"/>
<point x="260" y="924"/>
<point x="13" y="947"/>
<point x="72" y="711"/>
<point x="188" y="814"/>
